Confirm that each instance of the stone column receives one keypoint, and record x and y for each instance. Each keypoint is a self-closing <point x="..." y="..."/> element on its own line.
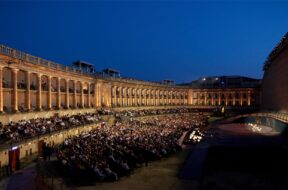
<point x="89" y="97"/>
<point x="1" y="89"/>
<point x="127" y="100"/>
<point x="49" y="93"/>
<point x="39" y="92"/>
<point x="82" y="95"/>
<point x="95" y="95"/>
<point x="249" y="98"/>
<point x="15" y="91"/>
<point x="147" y="95"/>
<point x="67" y="94"/>
<point x="234" y="99"/>
<point x="143" y="97"/>
<point x="124" y="97"/>
<point x="184" y="99"/>
<point x="131" y="97"/>
<point x="114" y="96"/>
<point x="157" y="98"/>
<point x="120" y="101"/>
<point x="174" y="98"/>
<point x="219" y="99"/>
<point x="58" y="93"/>
<point x="151" y="98"/>
<point x="150" y="102"/>
<point x="241" y="99"/>
<point x="137" y="97"/>
<point x="75" y="94"/>
<point x="98" y="93"/>
<point x="161" y="96"/>
<point x="28" y="100"/>
<point x="164" y="98"/>
<point x="167" y="98"/>
<point x="212" y="98"/>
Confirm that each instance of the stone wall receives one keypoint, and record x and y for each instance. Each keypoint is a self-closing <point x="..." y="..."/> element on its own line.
<point x="275" y="84"/>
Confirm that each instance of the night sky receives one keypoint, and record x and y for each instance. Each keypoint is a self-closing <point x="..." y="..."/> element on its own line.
<point x="149" y="40"/>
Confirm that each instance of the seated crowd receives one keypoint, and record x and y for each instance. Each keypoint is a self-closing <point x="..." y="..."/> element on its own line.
<point x="109" y="152"/>
<point x="17" y="131"/>
<point x="145" y="112"/>
<point x="23" y="129"/>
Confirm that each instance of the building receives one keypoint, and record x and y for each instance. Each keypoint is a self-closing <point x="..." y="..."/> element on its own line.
<point x="275" y="79"/>
<point x="30" y="83"/>
<point x="233" y="91"/>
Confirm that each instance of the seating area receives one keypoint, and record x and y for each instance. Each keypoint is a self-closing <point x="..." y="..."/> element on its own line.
<point x="25" y="129"/>
<point x="283" y="115"/>
<point x="114" y="151"/>
<point x="146" y="112"/>
<point x="14" y="132"/>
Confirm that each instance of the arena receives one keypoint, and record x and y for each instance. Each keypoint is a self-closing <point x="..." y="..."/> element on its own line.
<point x="78" y="128"/>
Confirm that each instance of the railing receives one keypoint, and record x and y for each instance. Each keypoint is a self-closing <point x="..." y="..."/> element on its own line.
<point x="279" y="116"/>
<point x="39" y="61"/>
<point x="36" y="60"/>
<point x="274" y="115"/>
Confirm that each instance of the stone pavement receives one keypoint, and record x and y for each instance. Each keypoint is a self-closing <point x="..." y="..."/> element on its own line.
<point x="25" y="179"/>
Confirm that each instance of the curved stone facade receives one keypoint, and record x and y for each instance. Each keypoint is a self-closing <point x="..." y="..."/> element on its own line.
<point x="29" y="83"/>
<point x="275" y="80"/>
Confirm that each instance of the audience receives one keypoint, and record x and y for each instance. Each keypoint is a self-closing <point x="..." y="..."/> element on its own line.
<point x="113" y="151"/>
<point x="17" y="131"/>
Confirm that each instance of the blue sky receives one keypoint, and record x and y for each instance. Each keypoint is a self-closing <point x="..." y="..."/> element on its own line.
<point x="149" y="40"/>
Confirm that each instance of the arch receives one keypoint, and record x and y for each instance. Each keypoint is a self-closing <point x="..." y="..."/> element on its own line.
<point x="7" y="79"/>
<point x="71" y="88"/>
<point x="118" y="96"/>
<point x="21" y="79"/>
<point x="44" y="83"/>
<point x="7" y="84"/>
<point x="237" y="96"/>
<point x="54" y="84"/>
<point x="78" y="94"/>
<point x="22" y="86"/>
<point x="78" y="87"/>
<point x="230" y="95"/>
<point x="63" y="85"/>
<point x="33" y="90"/>
<point x="44" y="92"/>
<point x="85" y="93"/>
<point x="33" y="81"/>
<point x="92" y="98"/>
<point x="63" y="89"/>
<point x="54" y="89"/>
<point x="85" y="88"/>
